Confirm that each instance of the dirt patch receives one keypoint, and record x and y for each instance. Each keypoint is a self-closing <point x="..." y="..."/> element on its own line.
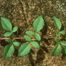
<point x="22" y="13"/>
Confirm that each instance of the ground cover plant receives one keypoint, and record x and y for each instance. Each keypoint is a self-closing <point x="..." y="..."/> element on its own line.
<point x="32" y="38"/>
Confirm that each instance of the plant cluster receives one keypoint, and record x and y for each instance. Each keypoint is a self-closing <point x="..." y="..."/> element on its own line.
<point x="32" y="37"/>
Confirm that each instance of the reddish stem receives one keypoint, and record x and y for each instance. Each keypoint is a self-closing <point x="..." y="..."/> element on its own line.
<point x="15" y="38"/>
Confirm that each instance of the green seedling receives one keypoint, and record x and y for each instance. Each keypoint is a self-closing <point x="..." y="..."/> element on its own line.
<point x="10" y="48"/>
<point x="7" y="26"/>
<point x="60" y="45"/>
<point x="32" y="38"/>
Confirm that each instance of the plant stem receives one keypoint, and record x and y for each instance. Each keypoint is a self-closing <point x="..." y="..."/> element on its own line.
<point x="15" y="38"/>
<point x="21" y="38"/>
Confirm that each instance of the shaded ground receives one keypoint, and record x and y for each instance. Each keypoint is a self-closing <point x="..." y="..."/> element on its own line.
<point x="22" y="13"/>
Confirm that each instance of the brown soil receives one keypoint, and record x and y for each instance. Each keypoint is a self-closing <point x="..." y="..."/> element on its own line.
<point x="22" y="13"/>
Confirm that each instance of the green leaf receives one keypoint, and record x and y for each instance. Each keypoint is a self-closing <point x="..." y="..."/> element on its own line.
<point x="8" y="51"/>
<point x="27" y="38"/>
<point x="64" y="50"/>
<point x="38" y="24"/>
<point x="30" y="33"/>
<point x="62" y="32"/>
<point x="63" y="43"/>
<point x="16" y="43"/>
<point x="57" y="50"/>
<point x="57" y="22"/>
<point x="37" y="36"/>
<point x="7" y="34"/>
<point x="6" y="24"/>
<point x="59" y="34"/>
<point x="15" y="29"/>
<point x="24" y="49"/>
<point x="35" y="44"/>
